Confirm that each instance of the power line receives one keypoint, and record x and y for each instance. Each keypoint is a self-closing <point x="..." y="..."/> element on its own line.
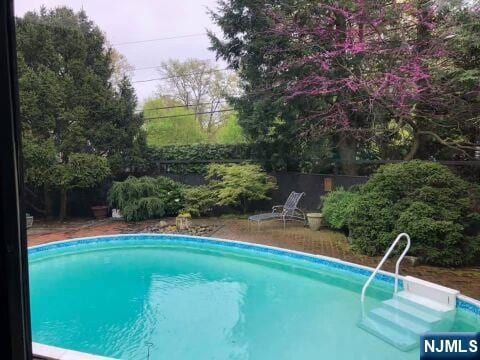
<point x="181" y="106"/>
<point x="192" y="114"/>
<point x="134" y="68"/>
<point x="180" y="76"/>
<point x="160" y="39"/>
<point x="143" y="68"/>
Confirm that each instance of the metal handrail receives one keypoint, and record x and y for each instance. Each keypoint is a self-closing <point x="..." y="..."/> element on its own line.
<point x="385" y="257"/>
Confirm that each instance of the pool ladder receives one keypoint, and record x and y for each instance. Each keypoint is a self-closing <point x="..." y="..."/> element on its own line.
<point x="420" y="307"/>
<point x="385" y="257"/>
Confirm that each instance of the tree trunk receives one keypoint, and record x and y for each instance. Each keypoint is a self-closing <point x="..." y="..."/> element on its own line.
<point x="413" y="149"/>
<point x="63" y="204"/>
<point x="244" y="205"/>
<point x="48" y="203"/>
<point x="423" y="39"/>
<point x="347" y="149"/>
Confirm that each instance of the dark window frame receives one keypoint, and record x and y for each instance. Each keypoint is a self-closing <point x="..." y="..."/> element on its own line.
<point x="15" y="342"/>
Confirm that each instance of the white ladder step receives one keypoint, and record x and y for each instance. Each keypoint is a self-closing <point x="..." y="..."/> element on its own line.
<point x="428" y="318"/>
<point x="422" y="302"/>
<point x="399" y="338"/>
<point x="396" y="319"/>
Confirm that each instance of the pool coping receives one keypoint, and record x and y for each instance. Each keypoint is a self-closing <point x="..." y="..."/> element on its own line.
<point x="51" y="352"/>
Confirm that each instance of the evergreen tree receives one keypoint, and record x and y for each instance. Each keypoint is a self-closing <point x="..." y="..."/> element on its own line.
<point x="68" y="104"/>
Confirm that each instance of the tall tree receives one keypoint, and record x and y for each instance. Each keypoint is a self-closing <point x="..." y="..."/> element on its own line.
<point x="359" y="72"/>
<point x="169" y="122"/>
<point x="201" y="87"/>
<point x="269" y="122"/>
<point x="121" y="68"/>
<point x="69" y="107"/>
<point x="384" y="63"/>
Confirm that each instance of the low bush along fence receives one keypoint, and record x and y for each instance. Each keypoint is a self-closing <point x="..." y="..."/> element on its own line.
<point x="228" y="185"/>
<point x="437" y="208"/>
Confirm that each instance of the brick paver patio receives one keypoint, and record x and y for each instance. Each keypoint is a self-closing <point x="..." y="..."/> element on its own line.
<point x="296" y="237"/>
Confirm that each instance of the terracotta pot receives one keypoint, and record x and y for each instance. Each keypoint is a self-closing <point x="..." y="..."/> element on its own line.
<point x="100" y="212"/>
<point x="315" y="221"/>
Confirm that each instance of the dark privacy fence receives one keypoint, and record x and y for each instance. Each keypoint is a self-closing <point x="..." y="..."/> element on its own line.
<point x="313" y="185"/>
<point x="187" y="164"/>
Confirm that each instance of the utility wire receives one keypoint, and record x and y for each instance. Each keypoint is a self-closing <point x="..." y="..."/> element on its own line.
<point x="134" y="68"/>
<point x="143" y="68"/>
<point x="180" y="76"/>
<point x="160" y="39"/>
<point x="181" y="106"/>
<point x="192" y="114"/>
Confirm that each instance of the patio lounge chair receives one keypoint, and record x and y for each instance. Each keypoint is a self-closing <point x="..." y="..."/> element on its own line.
<point x="284" y="213"/>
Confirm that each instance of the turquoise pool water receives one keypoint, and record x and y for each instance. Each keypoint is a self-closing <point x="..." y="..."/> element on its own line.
<point x="176" y="299"/>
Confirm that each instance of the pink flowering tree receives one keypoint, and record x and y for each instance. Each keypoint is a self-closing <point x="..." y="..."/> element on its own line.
<point x="384" y="70"/>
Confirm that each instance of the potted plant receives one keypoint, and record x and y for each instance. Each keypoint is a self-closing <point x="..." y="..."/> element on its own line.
<point x="99" y="208"/>
<point x="315" y="221"/>
<point x="100" y="211"/>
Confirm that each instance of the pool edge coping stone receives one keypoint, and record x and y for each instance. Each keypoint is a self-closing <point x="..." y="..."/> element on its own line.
<point x="49" y="352"/>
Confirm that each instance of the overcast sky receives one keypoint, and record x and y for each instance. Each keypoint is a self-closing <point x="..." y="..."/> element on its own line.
<point x="134" y="20"/>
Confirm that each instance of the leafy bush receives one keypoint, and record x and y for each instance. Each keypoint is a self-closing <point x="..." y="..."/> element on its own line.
<point x="146" y="197"/>
<point x="143" y="208"/>
<point x="337" y="206"/>
<point x="82" y="171"/>
<point x="199" y="200"/>
<point x="424" y="199"/>
<point x="171" y="193"/>
<point x="238" y="185"/>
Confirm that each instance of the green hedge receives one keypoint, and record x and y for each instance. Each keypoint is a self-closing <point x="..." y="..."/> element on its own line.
<point x="192" y="154"/>
<point x="427" y="201"/>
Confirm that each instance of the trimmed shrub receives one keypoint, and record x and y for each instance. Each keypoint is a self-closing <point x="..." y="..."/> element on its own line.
<point x="143" y="209"/>
<point x="424" y="199"/>
<point x="199" y="200"/>
<point x="238" y="185"/>
<point x="337" y="206"/>
<point x="146" y="197"/>
<point x="171" y="193"/>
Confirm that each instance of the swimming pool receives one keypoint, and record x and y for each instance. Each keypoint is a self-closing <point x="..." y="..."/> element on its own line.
<point x="180" y="297"/>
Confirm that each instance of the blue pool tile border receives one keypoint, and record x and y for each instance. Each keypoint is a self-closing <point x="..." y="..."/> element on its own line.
<point x="467" y="306"/>
<point x="222" y="243"/>
<point x="388" y="278"/>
